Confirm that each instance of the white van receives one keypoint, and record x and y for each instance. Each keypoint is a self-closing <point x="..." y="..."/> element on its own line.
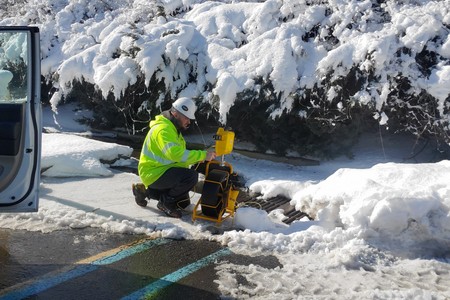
<point x="20" y="119"/>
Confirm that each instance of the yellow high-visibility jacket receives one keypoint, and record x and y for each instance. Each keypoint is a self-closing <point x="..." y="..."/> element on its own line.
<point x="164" y="147"/>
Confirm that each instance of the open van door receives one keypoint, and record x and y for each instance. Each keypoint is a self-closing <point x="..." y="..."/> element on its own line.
<point x="20" y="118"/>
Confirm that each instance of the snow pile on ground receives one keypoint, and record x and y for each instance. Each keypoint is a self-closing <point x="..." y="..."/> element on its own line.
<point x="80" y="158"/>
<point x="384" y="200"/>
<point x="380" y="233"/>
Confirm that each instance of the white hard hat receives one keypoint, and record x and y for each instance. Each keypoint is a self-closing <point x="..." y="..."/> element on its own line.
<point x="185" y="106"/>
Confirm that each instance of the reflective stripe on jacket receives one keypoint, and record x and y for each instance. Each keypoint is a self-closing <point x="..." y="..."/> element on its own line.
<point x="164" y="147"/>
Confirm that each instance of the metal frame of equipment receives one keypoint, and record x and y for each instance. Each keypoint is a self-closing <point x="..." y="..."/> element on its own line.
<point x="219" y="194"/>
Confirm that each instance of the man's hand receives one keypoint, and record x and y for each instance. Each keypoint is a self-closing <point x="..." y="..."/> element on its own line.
<point x="210" y="155"/>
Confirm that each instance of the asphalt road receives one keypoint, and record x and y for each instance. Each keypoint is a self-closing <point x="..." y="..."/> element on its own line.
<point x="91" y="264"/>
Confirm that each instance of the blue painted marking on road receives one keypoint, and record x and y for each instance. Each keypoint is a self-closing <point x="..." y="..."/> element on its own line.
<point x="45" y="284"/>
<point x="173" y="277"/>
<point x="48" y="282"/>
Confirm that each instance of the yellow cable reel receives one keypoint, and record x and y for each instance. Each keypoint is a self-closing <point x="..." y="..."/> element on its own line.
<point x="219" y="195"/>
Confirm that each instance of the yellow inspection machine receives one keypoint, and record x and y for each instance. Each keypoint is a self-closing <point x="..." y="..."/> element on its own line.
<point x="219" y="194"/>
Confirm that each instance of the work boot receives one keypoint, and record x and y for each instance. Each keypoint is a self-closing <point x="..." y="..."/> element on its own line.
<point x="168" y="206"/>
<point x="139" y="193"/>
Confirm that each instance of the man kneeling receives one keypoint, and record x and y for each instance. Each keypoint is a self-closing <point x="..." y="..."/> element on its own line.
<point x="164" y="161"/>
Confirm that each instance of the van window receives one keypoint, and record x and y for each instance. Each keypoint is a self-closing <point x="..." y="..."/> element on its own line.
<point x="13" y="67"/>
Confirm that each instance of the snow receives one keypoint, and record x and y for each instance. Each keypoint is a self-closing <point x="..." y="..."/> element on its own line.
<point x="381" y="225"/>
<point x="84" y="157"/>
<point x="440" y="86"/>
<point x="227" y="45"/>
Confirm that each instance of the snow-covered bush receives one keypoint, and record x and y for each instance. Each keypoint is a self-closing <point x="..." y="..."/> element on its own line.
<point x="311" y="65"/>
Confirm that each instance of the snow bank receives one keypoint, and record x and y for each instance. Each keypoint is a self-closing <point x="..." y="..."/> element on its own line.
<point x="388" y="201"/>
<point x="68" y="155"/>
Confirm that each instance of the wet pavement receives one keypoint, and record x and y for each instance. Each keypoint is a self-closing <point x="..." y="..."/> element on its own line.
<point x="91" y="264"/>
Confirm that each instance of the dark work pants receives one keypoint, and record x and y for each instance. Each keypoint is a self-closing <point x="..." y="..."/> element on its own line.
<point x="176" y="182"/>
